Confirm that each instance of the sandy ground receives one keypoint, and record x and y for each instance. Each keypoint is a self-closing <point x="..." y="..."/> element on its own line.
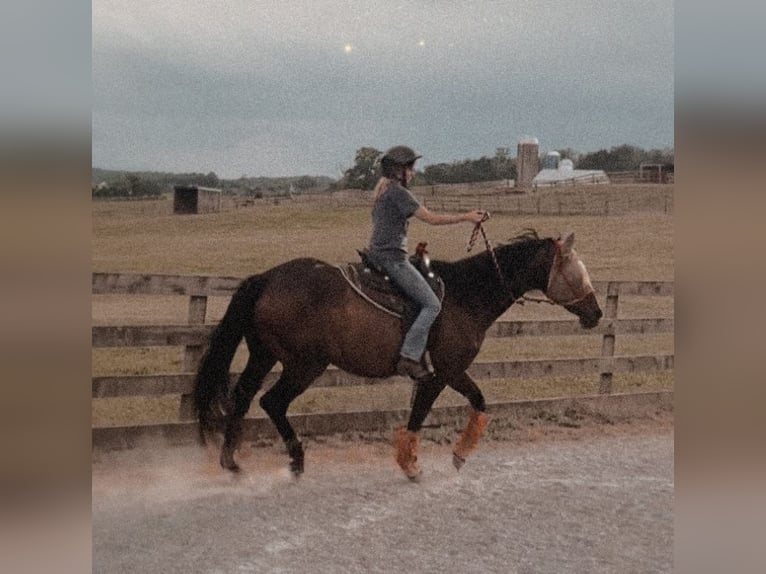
<point x="594" y="499"/>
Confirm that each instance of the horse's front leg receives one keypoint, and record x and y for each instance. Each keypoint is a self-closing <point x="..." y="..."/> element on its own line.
<point x="406" y="439"/>
<point x="477" y="422"/>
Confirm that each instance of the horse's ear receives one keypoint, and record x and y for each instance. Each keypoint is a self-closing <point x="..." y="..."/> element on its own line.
<point x="566" y="247"/>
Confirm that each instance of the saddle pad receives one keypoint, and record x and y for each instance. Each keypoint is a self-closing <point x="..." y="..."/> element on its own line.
<point x="380" y="292"/>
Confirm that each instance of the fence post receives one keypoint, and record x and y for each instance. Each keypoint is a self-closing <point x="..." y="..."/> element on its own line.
<point x="607" y="344"/>
<point x="192" y="353"/>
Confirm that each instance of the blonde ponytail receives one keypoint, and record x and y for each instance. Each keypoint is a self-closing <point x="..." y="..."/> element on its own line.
<point x="381" y="186"/>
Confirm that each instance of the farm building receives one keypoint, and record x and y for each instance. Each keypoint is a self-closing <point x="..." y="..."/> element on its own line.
<point x="557" y="171"/>
<point x="195" y="199"/>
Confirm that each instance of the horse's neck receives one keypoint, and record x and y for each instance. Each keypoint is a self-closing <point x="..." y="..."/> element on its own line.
<point x="476" y="286"/>
<point x="475" y="282"/>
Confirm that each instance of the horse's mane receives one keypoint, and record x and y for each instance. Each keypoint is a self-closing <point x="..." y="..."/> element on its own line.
<point x="527" y="235"/>
<point x="478" y="271"/>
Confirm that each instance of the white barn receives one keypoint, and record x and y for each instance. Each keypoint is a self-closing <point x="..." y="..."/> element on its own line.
<point x="557" y="171"/>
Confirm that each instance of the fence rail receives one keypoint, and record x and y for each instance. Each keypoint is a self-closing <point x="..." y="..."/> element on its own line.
<point x="561" y="200"/>
<point x="576" y="197"/>
<point x="192" y="338"/>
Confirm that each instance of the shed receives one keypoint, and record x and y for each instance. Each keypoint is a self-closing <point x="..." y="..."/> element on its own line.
<point x="196" y="199"/>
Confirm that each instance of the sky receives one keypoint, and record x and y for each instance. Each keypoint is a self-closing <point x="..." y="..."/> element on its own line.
<point x="285" y="88"/>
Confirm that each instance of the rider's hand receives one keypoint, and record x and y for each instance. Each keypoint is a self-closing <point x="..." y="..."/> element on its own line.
<point x="476" y="216"/>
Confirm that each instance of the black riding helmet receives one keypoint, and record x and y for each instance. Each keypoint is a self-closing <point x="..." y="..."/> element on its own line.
<point x="397" y="157"/>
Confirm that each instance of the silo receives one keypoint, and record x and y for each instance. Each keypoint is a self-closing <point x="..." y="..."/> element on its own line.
<point x="527" y="162"/>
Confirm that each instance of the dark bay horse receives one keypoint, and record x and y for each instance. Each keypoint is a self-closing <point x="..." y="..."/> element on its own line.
<point x="305" y="315"/>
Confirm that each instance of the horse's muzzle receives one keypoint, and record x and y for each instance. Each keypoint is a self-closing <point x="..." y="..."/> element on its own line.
<point x="587" y="310"/>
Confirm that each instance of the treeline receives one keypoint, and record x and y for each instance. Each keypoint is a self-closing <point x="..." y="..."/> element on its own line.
<point x="129" y="185"/>
<point x="113" y="183"/>
<point x="364" y="173"/>
<point x="501" y="166"/>
<point x="619" y="158"/>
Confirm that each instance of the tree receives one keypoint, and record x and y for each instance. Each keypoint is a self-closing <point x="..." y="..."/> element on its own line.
<point x="305" y="182"/>
<point x="363" y="174"/>
<point x="471" y="170"/>
<point x="210" y="180"/>
<point x="623" y="158"/>
<point x="569" y="153"/>
<point x="504" y="166"/>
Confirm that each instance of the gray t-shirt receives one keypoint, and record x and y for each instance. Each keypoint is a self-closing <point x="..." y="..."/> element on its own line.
<point x="390" y="216"/>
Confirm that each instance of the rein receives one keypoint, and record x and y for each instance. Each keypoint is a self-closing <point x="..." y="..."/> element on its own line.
<point x="491" y="250"/>
<point x="479" y="228"/>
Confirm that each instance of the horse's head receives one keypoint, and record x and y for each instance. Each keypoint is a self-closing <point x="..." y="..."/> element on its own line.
<point x="569" y="284"/>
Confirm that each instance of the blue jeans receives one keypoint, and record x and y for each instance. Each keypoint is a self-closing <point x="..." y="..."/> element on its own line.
<point x="409" y="280"/>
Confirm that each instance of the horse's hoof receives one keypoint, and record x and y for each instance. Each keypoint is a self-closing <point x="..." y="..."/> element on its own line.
<point x="415" y="477"/>
<point x="296" y="467"/>
<point x="457" y="461"/>
<point x="297" y="456"/>
<point x="228" y="463"/>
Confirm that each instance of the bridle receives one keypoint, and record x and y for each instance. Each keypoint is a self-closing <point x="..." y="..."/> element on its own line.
<point x="558" y="261"/>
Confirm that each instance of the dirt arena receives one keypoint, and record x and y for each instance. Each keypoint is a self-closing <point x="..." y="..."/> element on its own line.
<point x="594" y="499"/>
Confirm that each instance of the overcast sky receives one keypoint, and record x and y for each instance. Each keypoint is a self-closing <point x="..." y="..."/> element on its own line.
<point x="277" y="88"/>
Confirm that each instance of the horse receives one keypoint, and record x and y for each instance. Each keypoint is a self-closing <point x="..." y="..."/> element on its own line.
<point x="305" y="315"/>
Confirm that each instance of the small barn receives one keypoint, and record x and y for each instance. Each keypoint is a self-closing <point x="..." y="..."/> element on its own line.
<point x="196" y="199"/>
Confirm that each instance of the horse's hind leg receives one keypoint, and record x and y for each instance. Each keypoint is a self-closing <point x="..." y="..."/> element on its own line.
<point x="296" y="378"/>
<point x="476" y="422"/>
<point x="259" y="363"/>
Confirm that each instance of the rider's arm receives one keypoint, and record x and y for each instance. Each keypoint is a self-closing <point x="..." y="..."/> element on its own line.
<point x="432" y="218"/>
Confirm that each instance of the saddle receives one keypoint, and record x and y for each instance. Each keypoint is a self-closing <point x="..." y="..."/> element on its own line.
<point x="374" y="286"/>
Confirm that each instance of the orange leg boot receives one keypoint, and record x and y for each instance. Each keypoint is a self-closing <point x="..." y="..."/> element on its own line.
<point x="470" y="438"/>
<point x="407" y="452"/>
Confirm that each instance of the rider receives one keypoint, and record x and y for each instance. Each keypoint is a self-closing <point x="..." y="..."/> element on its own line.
<point x="394" y="205"/>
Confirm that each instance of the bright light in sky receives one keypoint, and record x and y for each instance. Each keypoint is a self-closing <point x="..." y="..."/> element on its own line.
<point x="422" y="43"/>
<point x="347" y="48"/>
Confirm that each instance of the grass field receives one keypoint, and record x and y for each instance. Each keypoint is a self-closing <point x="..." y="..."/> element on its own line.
<point x="146" y="237"/>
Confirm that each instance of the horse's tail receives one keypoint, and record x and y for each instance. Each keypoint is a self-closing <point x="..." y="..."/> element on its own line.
<point x="212" y="381"/>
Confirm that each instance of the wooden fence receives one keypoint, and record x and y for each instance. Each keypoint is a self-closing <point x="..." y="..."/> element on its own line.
<point x="498" y="197"/>
<point x="578" y="200"/>
<point x="193" y="336"/>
